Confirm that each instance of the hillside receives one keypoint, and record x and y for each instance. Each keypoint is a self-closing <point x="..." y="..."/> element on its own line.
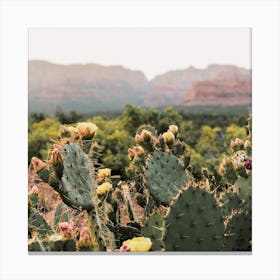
<point x="227" y="88"/>
<point x="93" y="87"/>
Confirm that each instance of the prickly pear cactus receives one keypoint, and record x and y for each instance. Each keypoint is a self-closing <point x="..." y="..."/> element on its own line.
<point x="61" y="214"/>
<point x="153" y="229"/>
<point x="238" y="233"/>
<point x="37" y="224"/>
<point x="165" y="175"/>
<point x="244" y="187"/>
<point x="193" y="222"/>
<point x="58" y="243"/>
<point x="230" y="201"/>
<point x="77" y="185"/>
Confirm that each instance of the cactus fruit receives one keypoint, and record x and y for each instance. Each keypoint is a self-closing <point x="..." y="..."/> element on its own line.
<point x="153" y="230"/>
<point x="193" y="222"/>
<point x="165" y="175"/>
<point x="77" y="185"/>
<point x="238" y="233"/>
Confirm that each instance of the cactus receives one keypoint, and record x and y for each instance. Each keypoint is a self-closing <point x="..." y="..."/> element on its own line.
<point x="244" y="187"/>
<point x="193" y="222"/>
<point x="37" y="246"/>
<point x="230" y="201"/>
<point x="77" y="185"/>
<point x="165" y="175"/>
<point x="180" y="213"/>
<point x="238" y="233"/>
<point x="153" y="229"/>
<point x="58" y="243"/>
<point x="62" y="214"/>
<point x="37" y="224"/>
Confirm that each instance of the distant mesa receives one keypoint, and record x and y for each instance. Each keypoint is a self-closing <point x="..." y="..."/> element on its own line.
<point x="227" y="88"/>
<point x="93" y="87"/>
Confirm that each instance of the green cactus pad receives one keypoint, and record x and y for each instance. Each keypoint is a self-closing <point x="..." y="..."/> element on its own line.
<point x="38" y="246"/>
<point x="244" y="187"/>
<point x="78" y="178"/>
<point x="37" y="223"/>
<point x="153" y="229"/>
<point x="193" y="222"/>
<point x="165" y="175"/>
<point x="230" y="201"/>
<point x="238" y="233"/>
<point x="44" y="174"/>
<point x="62" y="214"/>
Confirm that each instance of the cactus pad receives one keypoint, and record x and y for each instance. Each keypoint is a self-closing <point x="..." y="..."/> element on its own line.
<point x="238" y="233"/>
<point x="153" y="229"/>
<point x="78" y="178"/>
<point x="244" y="187"/>
<point x="37" y="223"/>
<point x="165" y="175"/>
<point x="230" y="201"/>
<point x="62" y="214"/>
<point x="193" y="222"/>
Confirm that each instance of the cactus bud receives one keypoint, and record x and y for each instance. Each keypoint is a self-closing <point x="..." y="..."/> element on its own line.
<point x="146" y="134"/>
<point x="135" y="151"/>
<point x="34" y="190"/>
<point x="168" y="137"/>
<point x="85" y="241"/>
<point x="247" y="144"/>
<point x="104" y="188"/>
<point x="66" y="229"/>
<point x="56" y="157"/>
<point x="87" y="130"/>
<point x="38" y="164"/>
<point x="237" y="144"/>
<point x="138" y="139"/>
<point x="124" y="248"/>
<point x="173" y="128"/>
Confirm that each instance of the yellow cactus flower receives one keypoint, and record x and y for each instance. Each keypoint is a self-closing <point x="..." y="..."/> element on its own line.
<point x="138" y="244"/>
<point x="104" y="188"/>
<point x="168" y="137"/>
<point x="173" y="128"/>
<point x="37" y="164"/>
<point x="104" y="173"/>
<point x="86" y="129"/>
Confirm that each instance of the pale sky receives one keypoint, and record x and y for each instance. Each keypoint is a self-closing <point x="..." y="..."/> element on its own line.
<point x="154" y="51"/>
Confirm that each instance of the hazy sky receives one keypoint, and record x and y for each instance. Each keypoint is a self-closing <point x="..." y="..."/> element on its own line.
<point x="151" y="50"/>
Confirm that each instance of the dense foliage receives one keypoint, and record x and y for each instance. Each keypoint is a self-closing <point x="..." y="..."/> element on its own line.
<point x="207" y="134"/>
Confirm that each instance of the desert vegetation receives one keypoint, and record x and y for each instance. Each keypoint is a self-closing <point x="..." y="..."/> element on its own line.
<point x="143" y="180"/>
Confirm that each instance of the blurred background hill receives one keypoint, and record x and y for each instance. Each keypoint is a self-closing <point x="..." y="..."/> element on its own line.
<point x="91" y="88"/>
